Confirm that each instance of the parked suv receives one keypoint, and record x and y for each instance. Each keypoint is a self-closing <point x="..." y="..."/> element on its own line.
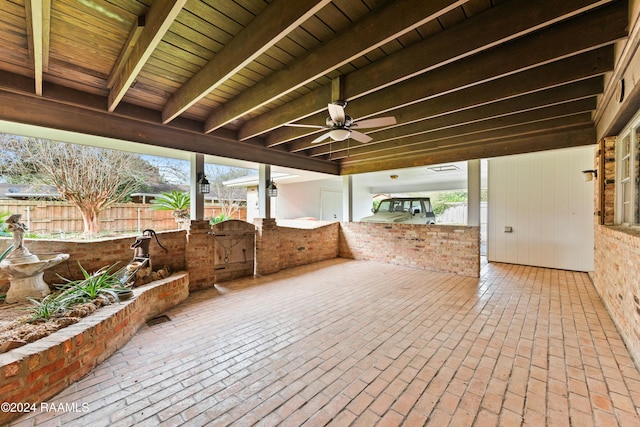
<point x="409" y="210"/>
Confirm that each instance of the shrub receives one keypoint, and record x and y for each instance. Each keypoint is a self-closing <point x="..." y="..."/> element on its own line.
<point x="102" y="285"/>
<point x="50" y="306"/>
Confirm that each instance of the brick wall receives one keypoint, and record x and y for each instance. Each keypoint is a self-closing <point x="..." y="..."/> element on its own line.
<point x="453" y="249"/>
<point x="38" y="371"/>
<point x="617" y="256"/>
<point x="617" y="279"/>
<point x="199" y="255"/>
<point x="305" y="246"/>
<point x="267" y="258"/>
<point x="284" y="247"/>
<point x="95" y="254"/>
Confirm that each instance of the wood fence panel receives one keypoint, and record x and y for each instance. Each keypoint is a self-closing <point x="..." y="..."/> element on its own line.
<point x="60" y="218"/>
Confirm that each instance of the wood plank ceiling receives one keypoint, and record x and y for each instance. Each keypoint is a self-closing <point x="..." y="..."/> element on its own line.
<point x="464" y="79"/>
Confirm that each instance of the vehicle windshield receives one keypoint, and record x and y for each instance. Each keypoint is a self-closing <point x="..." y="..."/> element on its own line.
<point x="400" y="205"/>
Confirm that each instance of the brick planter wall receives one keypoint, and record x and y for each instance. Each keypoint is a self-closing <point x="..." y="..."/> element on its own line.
<point x="447" y="248"/>
<point x="95" y="254"/>
<point x="37" y="371"/>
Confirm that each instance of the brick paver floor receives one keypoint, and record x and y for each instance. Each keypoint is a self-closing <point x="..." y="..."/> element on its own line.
<point x="358" y="343"/>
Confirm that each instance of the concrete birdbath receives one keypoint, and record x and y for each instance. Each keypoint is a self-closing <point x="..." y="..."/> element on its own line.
<point x="25" y="269"/>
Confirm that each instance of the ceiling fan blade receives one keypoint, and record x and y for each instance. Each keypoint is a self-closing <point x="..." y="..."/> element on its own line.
<point x="321" y="138"/>
<point x="360" y="137"/>
<point x="373" y="123"/>
<point x="298" y="125"/>
<point x="336" y="112"/>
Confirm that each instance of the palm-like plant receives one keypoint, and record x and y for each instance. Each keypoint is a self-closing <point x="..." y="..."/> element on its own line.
<point x="176" y="201"/>
<point x="43" y="310"/>
<point x="101" y="283"/>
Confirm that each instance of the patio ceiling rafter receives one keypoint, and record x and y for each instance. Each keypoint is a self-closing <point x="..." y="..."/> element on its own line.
<point x="229" y="78"/>
<point x="157" y="22"/>
<point x="476" y="34"/>
<point x="392" y="21"/>
<point x="276" y="21"/>
<point x="38" y="29"/>
<point x="503" y="61"/>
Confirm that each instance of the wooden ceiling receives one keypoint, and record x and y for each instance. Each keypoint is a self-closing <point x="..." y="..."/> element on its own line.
<point x="464" y="79"/>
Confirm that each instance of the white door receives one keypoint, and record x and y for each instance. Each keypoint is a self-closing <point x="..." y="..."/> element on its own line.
<point x="541" y="210"/>
<point x="330" y="205"/>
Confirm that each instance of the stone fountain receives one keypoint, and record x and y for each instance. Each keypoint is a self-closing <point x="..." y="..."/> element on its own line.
<point x="25" y="269"/>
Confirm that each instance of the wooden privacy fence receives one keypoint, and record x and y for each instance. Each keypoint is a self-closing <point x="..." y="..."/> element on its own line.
<point x="60" y="218"/>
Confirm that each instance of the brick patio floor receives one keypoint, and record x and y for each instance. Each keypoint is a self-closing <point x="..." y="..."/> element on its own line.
<point x="358" y="343"/>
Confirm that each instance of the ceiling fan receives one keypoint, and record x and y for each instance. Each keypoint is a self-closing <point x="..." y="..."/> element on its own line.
<point x="339" y="125"/>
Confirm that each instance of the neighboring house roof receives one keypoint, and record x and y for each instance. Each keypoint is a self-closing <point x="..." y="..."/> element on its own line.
<point x="28" y="191"/>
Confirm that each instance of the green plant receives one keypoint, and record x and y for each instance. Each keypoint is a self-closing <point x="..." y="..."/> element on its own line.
<point x="50" y="306"/>
<point x="172" y="201"/>
<point x="3" y="224"/>
<point x="101" y="283"/>
<point x="176" y="201"/>
<point x="218" y="219"/>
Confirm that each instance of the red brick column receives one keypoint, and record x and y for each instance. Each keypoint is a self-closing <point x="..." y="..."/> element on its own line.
<point x="200" y="255"/>
<point x="267" y="259"/>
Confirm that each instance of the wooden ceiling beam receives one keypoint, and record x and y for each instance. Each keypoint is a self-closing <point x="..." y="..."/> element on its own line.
<point x="467" y="38"/>
<point x="421" y="117"/>
<point x="589" y="31"/>
<point x="374" y="30"/>
<point x="161" y="15"/>
<point x="500" y="114"/>
<point x="268" y="28"/>
<point x="593" y="31"/>
<point x="552" y="75"/>
<point x="41" y="111"/>
<point x="38" y="14"/>
<point x="573" y="137"/>
<point x="132" y="40"/>
<point x="540" y="116"/>
<point x="453" y="141"/>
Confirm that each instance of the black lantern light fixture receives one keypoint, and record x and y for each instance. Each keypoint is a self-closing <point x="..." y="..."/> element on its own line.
<point x="272" y="190"/>
<point x="203" y="184"/>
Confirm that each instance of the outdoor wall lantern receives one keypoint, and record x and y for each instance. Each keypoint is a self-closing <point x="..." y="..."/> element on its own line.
<point x="272" y="190"/>
<point x="590" y="174"/>
<point x="203" y="184"/>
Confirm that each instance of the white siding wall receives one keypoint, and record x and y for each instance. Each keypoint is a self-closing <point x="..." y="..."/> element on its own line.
<point x="303" y="199"/>
<point x="544" y="197"/>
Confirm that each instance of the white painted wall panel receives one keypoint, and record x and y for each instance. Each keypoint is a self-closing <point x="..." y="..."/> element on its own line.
<point x="302" y="199"/>
<point x="544" y="198"/>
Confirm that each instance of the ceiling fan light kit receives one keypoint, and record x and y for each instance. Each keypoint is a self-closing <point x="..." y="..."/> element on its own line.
<point x="339" y="134"/>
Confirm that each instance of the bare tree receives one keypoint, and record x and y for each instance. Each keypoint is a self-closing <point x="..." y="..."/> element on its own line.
<point x="90" y="178"/>
<point x="229" y="198"/>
